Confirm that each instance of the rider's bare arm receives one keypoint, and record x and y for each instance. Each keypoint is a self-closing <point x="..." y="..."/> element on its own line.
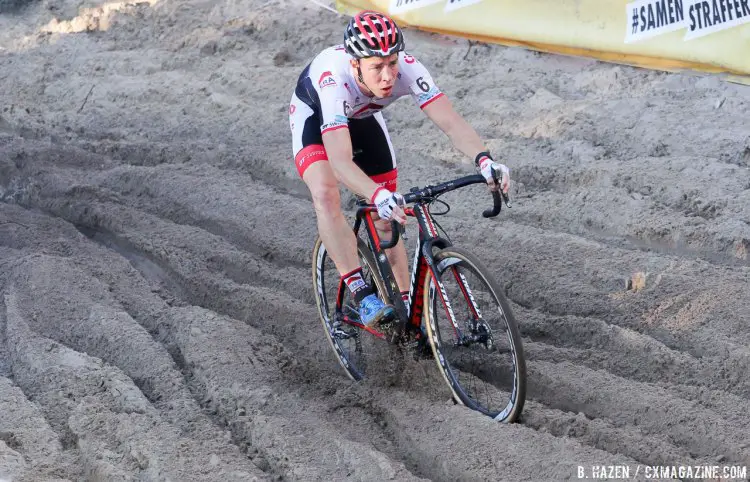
<point x="461" y="134"/>
<point x="338" y="145"/>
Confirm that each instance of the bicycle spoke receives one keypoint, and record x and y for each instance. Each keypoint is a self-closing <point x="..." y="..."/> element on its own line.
<point x="479" y="358"/>
<point x="351" y="341"/>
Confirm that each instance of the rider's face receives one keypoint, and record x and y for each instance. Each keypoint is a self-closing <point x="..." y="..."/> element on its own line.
<point x="379" y="74"/>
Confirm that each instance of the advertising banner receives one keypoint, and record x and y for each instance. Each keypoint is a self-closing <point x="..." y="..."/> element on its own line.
<point x="703" y="35"/>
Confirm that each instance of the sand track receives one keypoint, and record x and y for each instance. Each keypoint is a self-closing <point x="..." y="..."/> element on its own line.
<point x="157" y="320"/>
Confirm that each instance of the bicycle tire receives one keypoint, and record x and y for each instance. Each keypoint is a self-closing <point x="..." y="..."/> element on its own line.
<point x="325" y="278"/>
<point x="447" y="341"/>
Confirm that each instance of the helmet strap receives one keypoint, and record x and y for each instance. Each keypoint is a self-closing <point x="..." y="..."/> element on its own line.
<point x="362" y="80"/>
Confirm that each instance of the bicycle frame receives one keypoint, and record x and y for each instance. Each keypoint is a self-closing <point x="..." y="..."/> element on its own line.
<point x="419" y="325"/>
<point x="428" y="239"/>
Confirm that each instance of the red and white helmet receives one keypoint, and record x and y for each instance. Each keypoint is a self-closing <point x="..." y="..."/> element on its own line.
<point x="372" y="34"/>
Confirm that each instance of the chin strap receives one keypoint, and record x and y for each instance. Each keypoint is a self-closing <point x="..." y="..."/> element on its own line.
<point x="359" y="77"/>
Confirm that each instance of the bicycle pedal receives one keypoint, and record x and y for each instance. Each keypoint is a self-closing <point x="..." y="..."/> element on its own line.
<point x="387" y="324"/>
<point x="342" y="334"/>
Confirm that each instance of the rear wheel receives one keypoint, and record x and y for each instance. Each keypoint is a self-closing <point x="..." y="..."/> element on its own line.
<point x="355" y="349"/>
<point x="474" y="336"/>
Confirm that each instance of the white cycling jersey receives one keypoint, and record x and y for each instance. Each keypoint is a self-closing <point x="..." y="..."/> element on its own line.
<point x="328" y="87"/>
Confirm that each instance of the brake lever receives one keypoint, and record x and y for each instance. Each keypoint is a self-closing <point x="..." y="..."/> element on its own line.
<point x="402" y="232"/>
<point x="401" y="227"/>
<point x="499" y="180"/>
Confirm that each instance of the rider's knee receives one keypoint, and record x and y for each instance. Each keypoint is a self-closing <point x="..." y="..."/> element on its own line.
<point x="383" y="225"/>
<point x="326" y="198"/>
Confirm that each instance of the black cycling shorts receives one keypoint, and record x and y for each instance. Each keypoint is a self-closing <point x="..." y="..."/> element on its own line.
<point x="371" y="144"/>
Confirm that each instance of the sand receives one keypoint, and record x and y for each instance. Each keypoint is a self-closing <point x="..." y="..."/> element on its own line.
<point x="157" y="319"/>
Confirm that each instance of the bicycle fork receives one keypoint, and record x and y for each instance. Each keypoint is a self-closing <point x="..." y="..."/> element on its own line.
<point x="478" y="330"/>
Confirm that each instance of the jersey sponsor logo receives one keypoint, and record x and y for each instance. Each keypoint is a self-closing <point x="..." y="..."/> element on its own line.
<point x="326" y="79"/>
<point x="428" y="95"/>
<point x="340" y="119"/>
<point x="332" y="125"/>
<point x="429" y="100"/>
<point x="409" y="59"/>
<point x="292" y="108"/>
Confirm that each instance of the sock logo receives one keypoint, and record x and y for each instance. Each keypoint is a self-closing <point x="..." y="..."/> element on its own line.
<point x="356" y="284"/>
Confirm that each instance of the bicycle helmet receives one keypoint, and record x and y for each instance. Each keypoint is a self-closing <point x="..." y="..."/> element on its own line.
<point x="372" y="34"/>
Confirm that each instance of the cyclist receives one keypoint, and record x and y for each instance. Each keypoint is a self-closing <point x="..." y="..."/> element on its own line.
<point x="335" y="116"/>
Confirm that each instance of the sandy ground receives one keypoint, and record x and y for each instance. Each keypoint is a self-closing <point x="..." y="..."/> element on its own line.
<point x="157" y="319"/>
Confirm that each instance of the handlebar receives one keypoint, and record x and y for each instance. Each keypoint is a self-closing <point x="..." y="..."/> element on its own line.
<point x="417" y="195"/>
<point x="398" y="230"/>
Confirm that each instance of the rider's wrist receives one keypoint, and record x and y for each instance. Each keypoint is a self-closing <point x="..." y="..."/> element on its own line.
<point x="481" y="157"/>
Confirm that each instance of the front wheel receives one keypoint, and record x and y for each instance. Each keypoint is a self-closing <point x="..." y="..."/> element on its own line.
<point x="474" y="336"/>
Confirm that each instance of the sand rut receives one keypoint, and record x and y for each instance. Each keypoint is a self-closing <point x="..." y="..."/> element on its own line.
<point x="156" y="312"/>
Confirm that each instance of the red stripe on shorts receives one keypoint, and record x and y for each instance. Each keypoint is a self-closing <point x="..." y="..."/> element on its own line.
<point x="387" y="180"/>
<point x="308" y="156"/>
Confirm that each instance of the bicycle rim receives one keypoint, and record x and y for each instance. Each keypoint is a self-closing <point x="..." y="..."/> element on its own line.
<point x="354" y="347"/>
<point x="474" y="336"/>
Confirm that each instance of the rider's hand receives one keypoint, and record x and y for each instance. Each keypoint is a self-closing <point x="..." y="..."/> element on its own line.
<point x="493" y="171"/>
<point x="389" y="205"/>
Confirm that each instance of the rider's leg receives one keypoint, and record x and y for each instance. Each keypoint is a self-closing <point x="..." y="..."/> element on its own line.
<point x="340" y="241"/>
<point x="396" y="255"/>
<point x="374" y="154"/>
<point x="311" y="161"/>
<point x="334" y="229"/>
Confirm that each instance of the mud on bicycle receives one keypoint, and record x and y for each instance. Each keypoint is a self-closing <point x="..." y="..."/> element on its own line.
<point x="456" y="313"/>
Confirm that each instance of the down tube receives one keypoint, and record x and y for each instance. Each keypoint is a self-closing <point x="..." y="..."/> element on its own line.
<point x="416" y="286"/>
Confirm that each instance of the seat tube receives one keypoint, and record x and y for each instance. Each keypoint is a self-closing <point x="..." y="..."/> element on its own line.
<point x="384" y="267"/>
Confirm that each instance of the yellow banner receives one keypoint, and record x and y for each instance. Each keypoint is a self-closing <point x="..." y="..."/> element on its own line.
<point x="704" y="35"/>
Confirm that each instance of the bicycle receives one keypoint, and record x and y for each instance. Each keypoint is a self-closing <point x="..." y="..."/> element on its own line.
<point x="478" y="326"/>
